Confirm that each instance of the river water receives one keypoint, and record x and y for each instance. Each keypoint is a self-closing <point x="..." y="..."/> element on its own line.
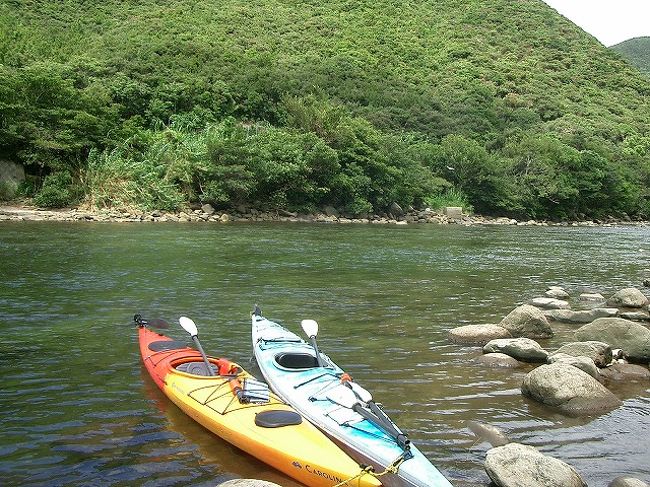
<point x="76" y="406"/>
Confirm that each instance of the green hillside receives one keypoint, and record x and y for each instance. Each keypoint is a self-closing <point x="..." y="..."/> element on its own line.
<point x="289" y="104"/>
<point x="636" y="51"/>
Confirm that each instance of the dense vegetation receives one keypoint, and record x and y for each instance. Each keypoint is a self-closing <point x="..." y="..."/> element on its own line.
<point x="300" y="104"/>
<point x="636" y="51"/>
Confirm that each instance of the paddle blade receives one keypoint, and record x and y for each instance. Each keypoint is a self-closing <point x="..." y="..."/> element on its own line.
<point x="188" y="325"/>
<point x="310" y="327"/>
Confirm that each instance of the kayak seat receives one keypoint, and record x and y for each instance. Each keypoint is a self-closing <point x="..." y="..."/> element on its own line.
<point x="164" y="345"/>
<point x="296" y="360"/>
<point x="277" y="418"/>
<point x="196" y="368"/>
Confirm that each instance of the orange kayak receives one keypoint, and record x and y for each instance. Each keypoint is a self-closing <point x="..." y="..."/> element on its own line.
<point x="252" y="419"/>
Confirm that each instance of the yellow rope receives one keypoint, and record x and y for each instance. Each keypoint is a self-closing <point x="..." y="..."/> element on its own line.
<point x="370" y="471"/>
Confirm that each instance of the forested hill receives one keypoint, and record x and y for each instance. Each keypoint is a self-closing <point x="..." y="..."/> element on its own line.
<point x="503" y="104"/>
<point x="637" y="51"/>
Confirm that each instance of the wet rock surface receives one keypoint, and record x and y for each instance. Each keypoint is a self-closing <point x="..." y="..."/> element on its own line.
<point x="568" y="389"/>
<point x="632" y="337"/>
<point x="523" y="349"/>
<point x="477" y="334"/>
<point x="517" y="465"/>
<point x="527" y="321"/>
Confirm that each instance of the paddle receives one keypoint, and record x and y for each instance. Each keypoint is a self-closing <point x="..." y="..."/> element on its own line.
<point x="156" y="322"/>
<point x="347" y="398"/>
<point x="189" y="326"/>
<point x="310" y="327"/>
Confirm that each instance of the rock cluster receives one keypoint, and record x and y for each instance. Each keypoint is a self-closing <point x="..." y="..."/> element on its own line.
<point x="571" y="379"/>
<point x="207" y="213"/>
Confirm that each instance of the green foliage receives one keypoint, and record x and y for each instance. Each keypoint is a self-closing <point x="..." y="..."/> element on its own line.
<point x="155" y="172"/>
<point x="58" y="190"/>
<point x="451" y="197"/>
<point x="636" y="51"/>
<point x="297" y="105"/>
<point x="8" y="190"/>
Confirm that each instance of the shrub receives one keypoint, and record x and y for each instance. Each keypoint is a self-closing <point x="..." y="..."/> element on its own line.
<point x="58" y="191"/>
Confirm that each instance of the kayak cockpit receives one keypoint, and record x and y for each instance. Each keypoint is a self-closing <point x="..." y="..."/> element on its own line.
<point x="197" y="368"/>
<point x="296" y="361"/>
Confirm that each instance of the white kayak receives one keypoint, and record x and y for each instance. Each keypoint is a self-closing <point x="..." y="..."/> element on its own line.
<point x="324" y="394"/>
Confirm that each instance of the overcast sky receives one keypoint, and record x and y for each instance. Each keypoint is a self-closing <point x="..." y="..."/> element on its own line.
<point x="609" y="21"/>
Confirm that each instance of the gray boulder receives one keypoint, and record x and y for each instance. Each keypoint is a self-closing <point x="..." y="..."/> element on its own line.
<point x="517" y="465"/>
<point x="557" y="293"/>
<point x="582" y="316"/>
<point x="635" y="316"/>
<point x="523" y="349"/>
<point x="499" y="360"/>
<point x="625" y="373"/>
<point x="632" y="337"/>
<point x="549" y="303"/>
<point x="568" y="389"/>
<point x="591" y="297"/>
<point x="247" y="483"/>
<point x="625" y="481"/>
<point x="208" y="209"/>
<point x="527" y="321"/>
<point x="477" y="334"/>
<point x="628" y="298"/>
<point x="599" y="352"/>
<point x="583" y="363"/>
<point x="396" y="210"/>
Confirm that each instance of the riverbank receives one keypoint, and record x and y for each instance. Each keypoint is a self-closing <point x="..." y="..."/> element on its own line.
<point x="26" y="212"/>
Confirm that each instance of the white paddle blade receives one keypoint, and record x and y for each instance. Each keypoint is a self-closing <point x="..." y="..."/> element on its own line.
<point x="360" y="392"/>
<point x="310" y="327"/>
<point x="188" y="325"/>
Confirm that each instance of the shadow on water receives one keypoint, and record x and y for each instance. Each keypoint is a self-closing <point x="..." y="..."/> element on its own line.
<point x="76" y="408"/>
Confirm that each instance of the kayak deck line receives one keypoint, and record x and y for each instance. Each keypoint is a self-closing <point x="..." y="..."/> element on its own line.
<point x="212" y="398"/>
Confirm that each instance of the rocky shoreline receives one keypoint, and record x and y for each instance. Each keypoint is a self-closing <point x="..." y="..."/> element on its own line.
<point x="26" y="212"/>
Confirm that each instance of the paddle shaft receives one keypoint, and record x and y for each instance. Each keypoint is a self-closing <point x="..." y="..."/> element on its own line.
<point x="388" y="427"/>
<point x="318" y="358"/>
<point x="205" y="358"/>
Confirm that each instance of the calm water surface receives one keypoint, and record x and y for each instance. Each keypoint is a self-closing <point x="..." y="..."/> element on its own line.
<point x="76" y="407"/>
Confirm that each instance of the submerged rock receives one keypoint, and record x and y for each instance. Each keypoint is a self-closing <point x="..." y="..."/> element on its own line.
<point x="591" y="297"/>
<point x="523" y="349"/>
<point x="568" y="389"/>
<point x="477" y="334"/>
<point x="582" y="316"/>
<point x="626" y="373"/>
<point x="517" y="465"/>
<point x="527" y="321"/>
<point x="628" y="298"/>
<point x="632" y="337"/>
<point x="599" y="352"/>
<point x="635" y="316"/>
<point x="499" y="360"/>
<point x="493" y="435"/>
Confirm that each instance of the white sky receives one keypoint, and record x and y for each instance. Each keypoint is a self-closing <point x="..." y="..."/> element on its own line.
<point x="609" y="21"/>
